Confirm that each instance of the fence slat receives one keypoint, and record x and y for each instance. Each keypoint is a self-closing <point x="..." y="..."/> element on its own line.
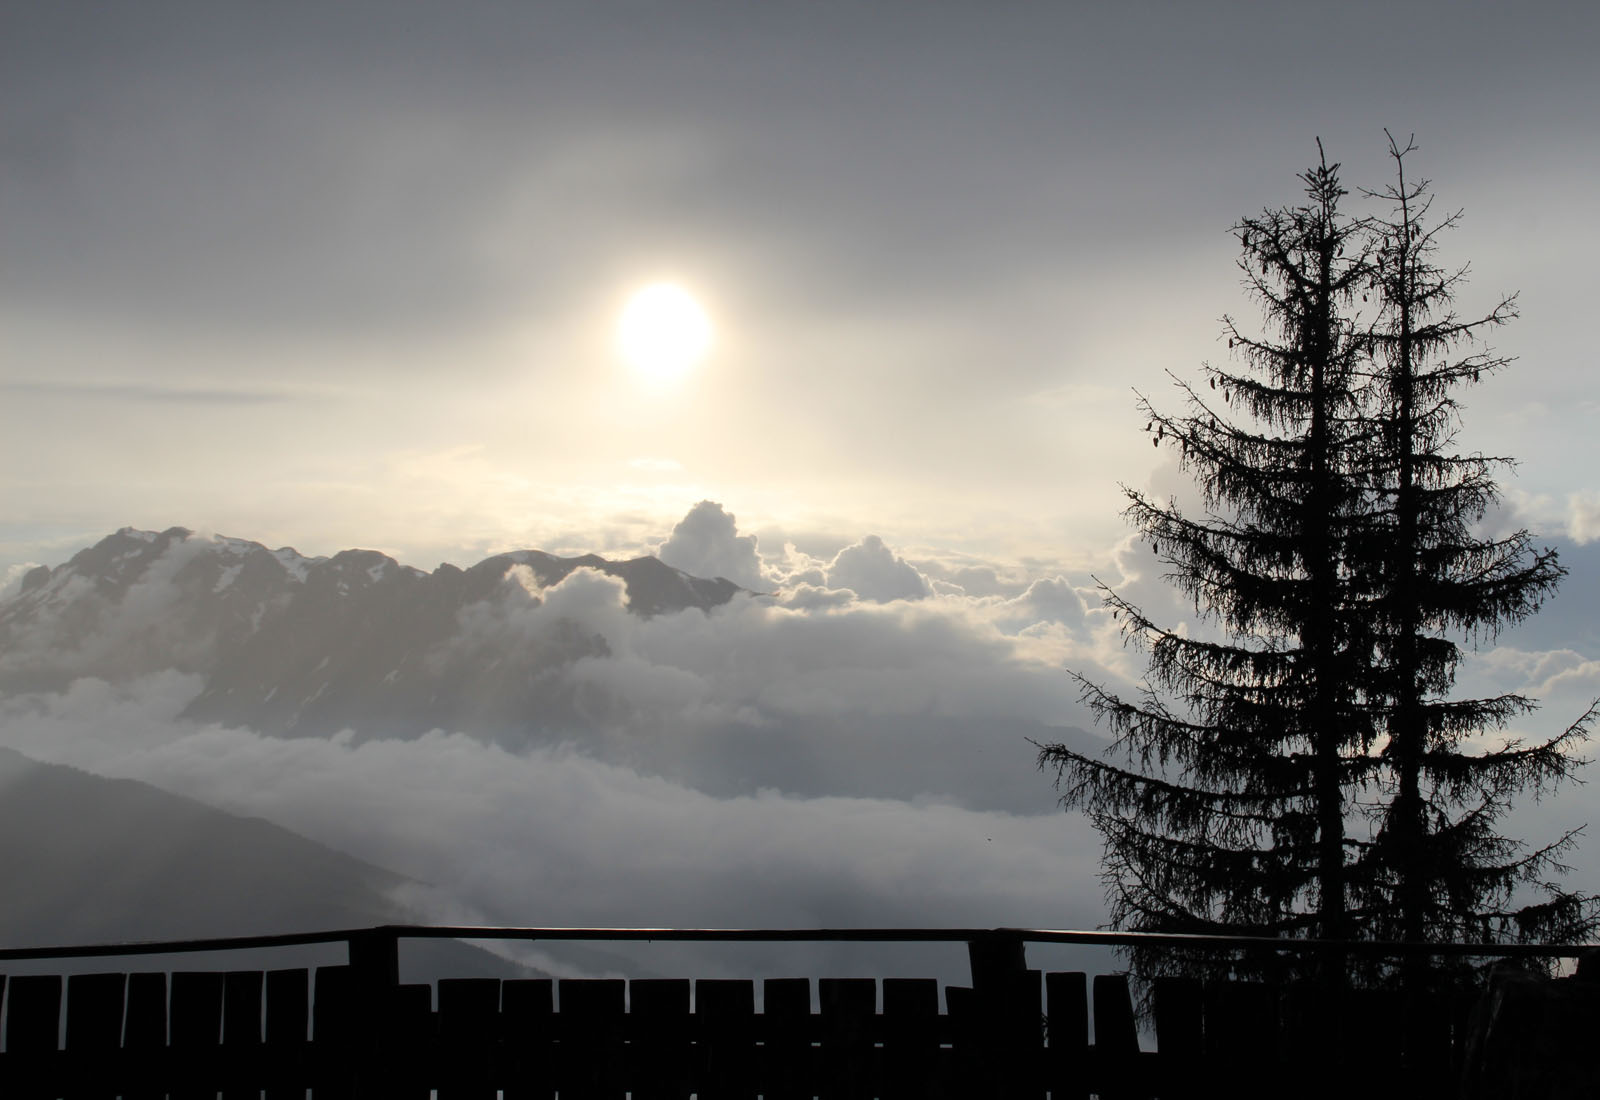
<point x="406" y="1044"/>
<point x="144" y="1036"/>
<point x="1179" y="1010"/>
<point x="1383" y="1060"/>
<point x="725" y="1014"/>
<point x="241" y="1034"/>
<point x="196" y="1010"/>
<point x="1116" y="1038"/>
<point x="966" y="1040"/>
<point x="659" y="1038"/>
<point x="241" y="1009"/>
<point x="997" y="1029"/>
<point x="33" y="1014"/>
<point x="33" y="1024"/>
<point x="592" y="1019"/>
<point x="94" y="1012"/>
<point x="94" y="1033"/>
<point x="287" y="1007"/>
<point x="195" y="1033"/>
<point x="527" y="1012"/>
<point x="911" y="1039"/>
<point x="1429" y="1020"/>
<point x="1241" y="1035"/>
<point x="1459" y="1006"/>
<point x="469" y="1035"/>
<point x="1015" y="1032"/>
<point x="786" y="1038"/>
<point x="333" y="1007"/>
<point x="284" y="1054"/>
<point x="848" y="1007"/>
<point x="1067" y="1024"/>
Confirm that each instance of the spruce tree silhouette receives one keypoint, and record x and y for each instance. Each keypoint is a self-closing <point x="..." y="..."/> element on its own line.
<point x="1438" y="870"/>
<point x="1228" y="816"/>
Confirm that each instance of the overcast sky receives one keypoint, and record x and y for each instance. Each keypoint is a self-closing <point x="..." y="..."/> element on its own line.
<point x="345" y="274"/>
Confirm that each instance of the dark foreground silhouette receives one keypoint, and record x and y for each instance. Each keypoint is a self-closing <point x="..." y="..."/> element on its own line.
<point x="356" y="1031"/>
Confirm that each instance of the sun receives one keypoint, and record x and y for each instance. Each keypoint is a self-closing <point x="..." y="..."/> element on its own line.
<point x="663" y="332"/>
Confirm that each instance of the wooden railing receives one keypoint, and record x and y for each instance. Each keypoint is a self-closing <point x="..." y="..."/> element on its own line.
<point x="354" y="1030"/>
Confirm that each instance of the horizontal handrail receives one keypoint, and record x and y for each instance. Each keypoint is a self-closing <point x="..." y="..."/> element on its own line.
<point x="805" y="935"/>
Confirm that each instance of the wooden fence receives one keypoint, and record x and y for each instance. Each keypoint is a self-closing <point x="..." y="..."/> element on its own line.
<point x="355" y="1031"/>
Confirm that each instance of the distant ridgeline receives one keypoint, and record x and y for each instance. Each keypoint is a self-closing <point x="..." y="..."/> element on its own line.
<point x="299" y="646"/>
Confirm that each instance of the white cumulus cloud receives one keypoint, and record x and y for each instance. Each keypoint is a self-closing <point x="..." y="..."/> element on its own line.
<point x="874" y="572"/>
<point x="706" y="543"/>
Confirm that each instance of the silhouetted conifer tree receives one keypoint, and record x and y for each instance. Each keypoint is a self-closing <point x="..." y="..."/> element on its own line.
<point x="1228" y="812"/>
<point x="1439" y="870"/>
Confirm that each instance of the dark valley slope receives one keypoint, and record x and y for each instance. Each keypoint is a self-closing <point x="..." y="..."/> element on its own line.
<point x="114" y="860"/>
<point x="90" y="860"/>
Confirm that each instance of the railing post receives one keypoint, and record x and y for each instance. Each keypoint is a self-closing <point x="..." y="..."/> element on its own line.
<point x="375" y="975"/>
<point x="1009" y="1026"/>
<point x="996" y="957"/>
<point x="375" y="959"/>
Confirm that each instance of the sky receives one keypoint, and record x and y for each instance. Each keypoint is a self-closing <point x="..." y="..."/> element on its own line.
<point x="339" y="275"/>
<point x="346" y="275"/>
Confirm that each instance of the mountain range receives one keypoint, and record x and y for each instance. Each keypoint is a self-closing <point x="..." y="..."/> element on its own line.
<point x="291" y="645"/>
<point x="358" y="645"/>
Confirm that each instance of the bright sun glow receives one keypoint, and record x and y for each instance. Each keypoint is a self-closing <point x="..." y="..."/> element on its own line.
<point x="663" y="332"/>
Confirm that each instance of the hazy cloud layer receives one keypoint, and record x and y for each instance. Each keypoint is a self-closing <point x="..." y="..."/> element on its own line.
<point x="559" y="838"/>
<point x="823" y="690"/>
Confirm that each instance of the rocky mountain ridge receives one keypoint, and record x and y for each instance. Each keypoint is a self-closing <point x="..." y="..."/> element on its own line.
<point x="295" y="645"/>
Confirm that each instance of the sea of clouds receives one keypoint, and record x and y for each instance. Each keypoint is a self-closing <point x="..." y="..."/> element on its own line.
<point x="848" y="748"/>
